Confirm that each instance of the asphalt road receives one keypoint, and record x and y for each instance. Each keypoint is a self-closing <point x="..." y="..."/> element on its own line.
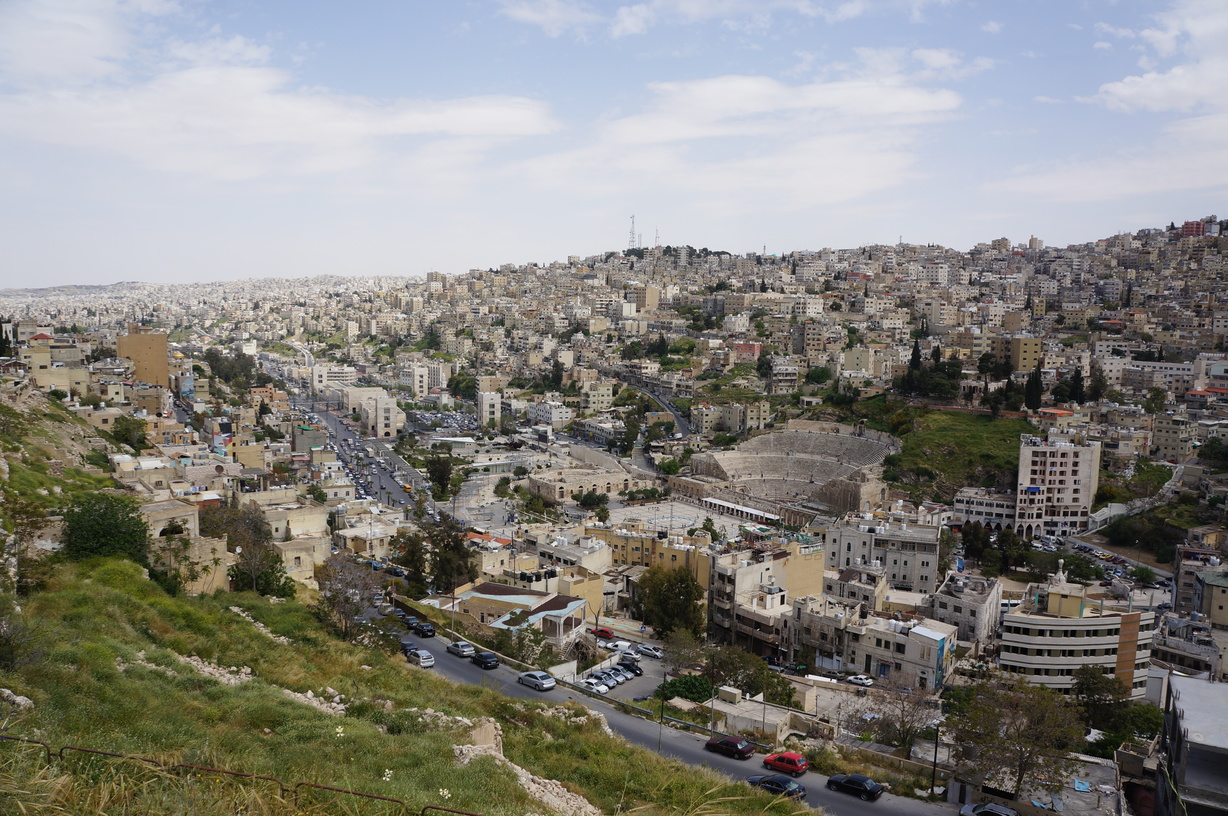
<point x="683" y="746"/>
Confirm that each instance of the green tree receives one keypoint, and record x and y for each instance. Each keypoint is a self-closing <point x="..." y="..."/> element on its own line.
<point x="1017" y="736"/>
<point x="316" y="493"/>
<point x="106" y="524"/>
<point x="732" y="666"/>
<point x="451" y="565"/>
<point x="1103" y="697"/>
<point x="130" y="430"/>
<point x="1156" y="398"/>
<point x="1034" y="391"/>
<point x="439" y="471"/>
<point x="260" y="568"/>
<point x="670" y="598"/>
<point x="410" y="551"/>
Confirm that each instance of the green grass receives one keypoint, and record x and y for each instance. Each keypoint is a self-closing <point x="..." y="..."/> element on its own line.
<point x="96" y="612"/>
<point x="945" y="451"/>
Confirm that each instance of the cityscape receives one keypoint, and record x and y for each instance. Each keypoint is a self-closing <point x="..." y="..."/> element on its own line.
<point x="826" y="506"/>
<point x="629" y="408"/>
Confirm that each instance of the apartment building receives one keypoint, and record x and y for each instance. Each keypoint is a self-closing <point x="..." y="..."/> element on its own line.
<point x="1057" y="483"/>
<point x="489" y="408"/>
<point x="147" y="349"/>
<point x="914" y="653"/>
<point x="991" y="508"/>
<point x="750" y="590"/>
<point x="907" y="553"/>
<point x="1060" y="626"/>
<point x="548" y="412"/>
<point x="1193" y="744"/>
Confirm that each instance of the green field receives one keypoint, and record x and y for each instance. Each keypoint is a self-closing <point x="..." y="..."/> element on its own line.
<point x="944" y="451"/>
<point x="106" y="675"/>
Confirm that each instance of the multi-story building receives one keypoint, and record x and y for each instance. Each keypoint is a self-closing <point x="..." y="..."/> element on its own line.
<point x="1193" y="744"/>
<point x="324" y="377"/>
<point x="973" y="605"/>
<point x="914" y="653"/>
<point x="548" y="412"/>
<point x="991" y="508"/>
<point x="147" y="350"/>
<point x="907" y="553"/>
<point x="1057" y="483"/>
<point x="490" y="408"/>
<point x="1173" y="437"/>
<point x="1058" y="628"/>
<point x="750" y="591"/>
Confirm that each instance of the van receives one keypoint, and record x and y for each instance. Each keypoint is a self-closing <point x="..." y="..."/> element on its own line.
<point x="421" y="658"/>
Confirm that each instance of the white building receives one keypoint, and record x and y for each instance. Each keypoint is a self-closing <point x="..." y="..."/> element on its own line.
<point x="1057" y="484"/>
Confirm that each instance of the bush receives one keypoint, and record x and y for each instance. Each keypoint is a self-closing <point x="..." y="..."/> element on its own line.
<point x="693" y="687"/>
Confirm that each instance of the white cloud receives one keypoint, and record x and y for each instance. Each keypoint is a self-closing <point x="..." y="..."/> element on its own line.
<point x="993" y="27"/>
<point x="630" y="20"/>
<point x="1196" y="30"/>
<point x="1048" y="100"/>
<point x="214" y="107"/>
<point x="1102" y="45"/>
<point x="68" y="40"/>
<point x="1187" y="153"/>
<point x="555" y="17"/>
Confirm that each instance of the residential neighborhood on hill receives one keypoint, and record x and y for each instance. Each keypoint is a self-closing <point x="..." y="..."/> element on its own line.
<point x="891" y="481"/>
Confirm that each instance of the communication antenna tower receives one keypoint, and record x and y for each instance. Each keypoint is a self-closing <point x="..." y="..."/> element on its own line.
<point x="631" y="244"/>
<point x="658" y="240"/>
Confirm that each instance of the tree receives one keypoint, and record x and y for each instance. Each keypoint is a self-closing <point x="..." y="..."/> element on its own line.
<point x="1098" y="384"/>
<point x="732" y="666"/>
<point x="260" y="567"/>
<point x="1016" y="736"/>
<point x="602" y="513"/>
<point x="898" y="715"/>
<point x="1034" y="391"/>
<point x="130" y="430"/>
<point x="914" y="361"/>
<point x="1103" y="697"/>
<point x="439" y="471"/>
<point x="1154" y="403"/>
<point x="410" y="551"/>
<point x="450" y="563"/>
<point x="346" y="590"/>
<point x="1077" y="393"/>
<point x="668" y="599"/>
<point x="316" y="493"/>
<point x="105" y="524"/>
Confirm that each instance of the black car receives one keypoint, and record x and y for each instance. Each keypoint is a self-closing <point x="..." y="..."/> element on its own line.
<point x="778" y="784"/>
<point x="487" y="660"/>
<point x="860" y="786"/>
<point x="735" y="747"/>
<point x="631" y="667"/>
<point x="425" y="629"/>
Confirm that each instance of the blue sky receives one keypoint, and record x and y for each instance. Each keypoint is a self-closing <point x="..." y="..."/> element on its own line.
<point x="178" y="140"/>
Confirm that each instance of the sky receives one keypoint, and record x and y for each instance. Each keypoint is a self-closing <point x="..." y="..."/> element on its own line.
<point x="200" y="140"/>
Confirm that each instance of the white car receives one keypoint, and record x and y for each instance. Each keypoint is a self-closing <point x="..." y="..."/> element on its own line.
<point x="537" y="679"/>
<point x="861" y="680"/>
<point x="461" y="649"/>
<point x="650" y="650"/>
<point x="593" y="684"/>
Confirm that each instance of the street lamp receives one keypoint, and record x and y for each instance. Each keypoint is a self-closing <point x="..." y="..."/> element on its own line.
<point x="934" y="768"/>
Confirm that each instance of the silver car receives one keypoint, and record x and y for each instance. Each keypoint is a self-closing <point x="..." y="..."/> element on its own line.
<point x="537" y="679"/>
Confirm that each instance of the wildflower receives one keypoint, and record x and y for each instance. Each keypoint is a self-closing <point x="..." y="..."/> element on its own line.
<point x="387" y="774"/>
<point x="340" y="732"/>
<point x="444" y="793"/>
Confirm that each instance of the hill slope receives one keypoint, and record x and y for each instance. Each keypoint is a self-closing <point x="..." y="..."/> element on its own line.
<point x="108" y="673"/>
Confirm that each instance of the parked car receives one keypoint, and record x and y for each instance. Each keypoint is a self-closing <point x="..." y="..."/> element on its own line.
<point x="863" y="787"/>
<point x="593" y="684"/>
<point x="735" y="747"/>
<point x="987" y="809"/>
<point x="650" y="650"/>
<point x="628" y="656"/>
<point x="422" y="658"/>
<point x="631" y="667"/>
<point x="617" y="645"/>
<point x="790" y="762"/>
<point x="861" y="680"/>
<point x="778" y="784"/>
<point x="618" y="671"/>
<point x="537" y="679"/>
<point x="487" y="660"/>
<point x="461" y="649"/>
<point x="603" y="633"/>
<point x="609" y="679"/>
<point x="425" y="629"/>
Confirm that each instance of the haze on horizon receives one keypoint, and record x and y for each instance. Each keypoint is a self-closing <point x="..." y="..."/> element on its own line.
<point x="199" y="140"/>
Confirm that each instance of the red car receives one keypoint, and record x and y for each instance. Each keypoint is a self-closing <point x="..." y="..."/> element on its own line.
<point x="603" y="633"/>
<point x="788" y="762"/>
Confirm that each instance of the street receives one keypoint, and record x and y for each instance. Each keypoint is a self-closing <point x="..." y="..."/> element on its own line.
<point x="684" y="746"/>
